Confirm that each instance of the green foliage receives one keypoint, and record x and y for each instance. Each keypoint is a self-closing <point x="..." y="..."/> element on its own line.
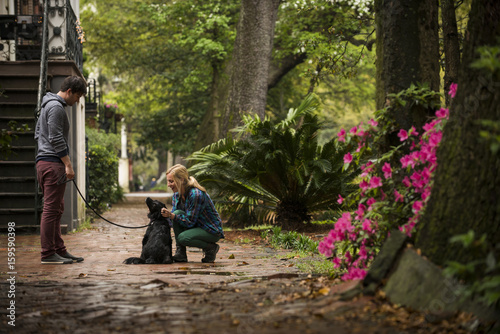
<point x="490" y="134"/>
<point x="7" y="136"/>
<point x="416" y="95"/>
<point x="111" y="141"/>
<point x="276" y="170"/>
<point x="168" y="56"/>
<point x="165" y="55"/>
<point x="489" y="59"/>
<point x="481" y="275"/>
<point x="291" y="240"/>
<point x="102" y="163"/>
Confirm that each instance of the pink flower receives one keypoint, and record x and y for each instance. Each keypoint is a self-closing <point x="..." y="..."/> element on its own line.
<point x="354" y="130"/>
<point x="407" y="182"/>
<point x="340" y="200"/>
<point x="443" y="113"/>
<point x="375" y="182"/>
<point x="367" y="225"/>
<point x="341" y="135"/>
<point x="325" y="249"/>
<point x="453" y="90"/>
<point x="348" y="158"/>
<point x="336" y="262"/>
<point x="403" y="134"/>
<point x="399" y="197"/>
<point x="435" y="138"/>
<point x="354" y="274"/>
<point x="373" y="123"/>
<point x="426" y="193"/>
<point x="361" y="211"/>
<point x="364" y="185"/>
<point x="370" y="202"/>
<point x="413" y="131"/>
<point x="417" y="206"/>
<point x="363" y="254"/>
<point x="387" y="170"/>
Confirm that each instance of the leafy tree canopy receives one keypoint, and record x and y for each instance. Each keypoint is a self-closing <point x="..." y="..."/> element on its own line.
<point x="164" y="55"/>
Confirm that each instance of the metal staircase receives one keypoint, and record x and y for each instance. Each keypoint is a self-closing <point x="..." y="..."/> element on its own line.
<point x="19" y="87"/>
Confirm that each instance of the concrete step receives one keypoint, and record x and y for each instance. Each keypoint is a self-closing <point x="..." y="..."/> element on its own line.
<point x="17" y="168"/>
<point x="19" y="216"/>
<point x="17" y="184"/>
<point x="25" y="200"/>
<point x="20" y="120"/>
<point x="19" y="95"/>
<point x="17" y="110"/>
<point x="24" y="138"/>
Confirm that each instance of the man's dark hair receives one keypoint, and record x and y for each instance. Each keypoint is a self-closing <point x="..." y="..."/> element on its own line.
<point x="76" y="84"/>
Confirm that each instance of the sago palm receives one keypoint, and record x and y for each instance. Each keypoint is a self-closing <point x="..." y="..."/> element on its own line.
<point x="277" y="170"/>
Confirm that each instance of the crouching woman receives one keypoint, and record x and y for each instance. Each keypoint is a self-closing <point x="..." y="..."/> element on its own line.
<point x="195" y="220"/>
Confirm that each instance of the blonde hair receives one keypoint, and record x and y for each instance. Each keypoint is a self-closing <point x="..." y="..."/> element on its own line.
<point x="182" y="179"/>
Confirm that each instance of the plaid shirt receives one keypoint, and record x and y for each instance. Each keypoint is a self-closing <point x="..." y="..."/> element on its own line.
<point x="197" y="211"/>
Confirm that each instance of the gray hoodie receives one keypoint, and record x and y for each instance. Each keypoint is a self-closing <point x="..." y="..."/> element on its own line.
<point x="52" y="129"/>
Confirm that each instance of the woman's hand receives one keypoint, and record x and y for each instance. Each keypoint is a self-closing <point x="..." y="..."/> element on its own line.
<point x="167" y="214"/>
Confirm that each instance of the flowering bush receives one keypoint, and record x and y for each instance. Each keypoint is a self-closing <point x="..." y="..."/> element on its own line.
<point x="393" y="188"/>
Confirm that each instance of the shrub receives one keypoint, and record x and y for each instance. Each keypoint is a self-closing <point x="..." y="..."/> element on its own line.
<point x="393" y="188"/>
<point x="103" y="178"/>
<point x="276" y="171"/>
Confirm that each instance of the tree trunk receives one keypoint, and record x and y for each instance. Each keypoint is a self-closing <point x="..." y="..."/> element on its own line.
<point x="466" y="191"/>
<point x="451" y="45"/>
<point x="251" y="61"/>
<point x="209" y="131"/>
<point x="407" y="52"/>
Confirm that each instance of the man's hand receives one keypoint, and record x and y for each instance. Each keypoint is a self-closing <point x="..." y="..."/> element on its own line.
<point x="70" y="173"/>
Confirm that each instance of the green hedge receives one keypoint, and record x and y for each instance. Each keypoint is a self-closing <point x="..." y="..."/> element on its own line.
<point x="103" y="177"/>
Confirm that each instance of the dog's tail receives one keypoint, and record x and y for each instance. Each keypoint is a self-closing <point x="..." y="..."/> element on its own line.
<point x="134" y="260"/>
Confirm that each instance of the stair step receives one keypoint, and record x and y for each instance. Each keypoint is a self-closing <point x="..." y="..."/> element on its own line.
<point x="5" y="179"/>
<point x="13" y="194"/>
<point x="18" y="110"/>
<point x="17" y="184"/>
<point x="18" y="211"/>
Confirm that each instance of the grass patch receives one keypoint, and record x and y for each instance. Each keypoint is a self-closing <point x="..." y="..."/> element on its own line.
<point x="86" y="225"/>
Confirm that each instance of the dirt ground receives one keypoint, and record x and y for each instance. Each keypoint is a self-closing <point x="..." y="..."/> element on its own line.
<point x="251" y="288"/>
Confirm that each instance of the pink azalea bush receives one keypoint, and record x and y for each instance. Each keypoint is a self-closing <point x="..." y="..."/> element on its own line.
<point x="393" y="190"/>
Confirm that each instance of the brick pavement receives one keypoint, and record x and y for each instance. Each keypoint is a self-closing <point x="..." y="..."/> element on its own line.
<point x="105" y="247"/>
<point x="256" y="292"/>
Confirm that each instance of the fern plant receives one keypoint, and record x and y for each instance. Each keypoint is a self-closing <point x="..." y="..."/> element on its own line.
<point x="276" y="171"/>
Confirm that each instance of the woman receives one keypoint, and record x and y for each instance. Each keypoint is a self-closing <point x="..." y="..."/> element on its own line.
<point x="194" y="218"/>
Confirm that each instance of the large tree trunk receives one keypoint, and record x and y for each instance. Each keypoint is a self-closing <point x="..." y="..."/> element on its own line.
<point x="451" y="45"/>
<point x="466" y="191"/>
<point x="407" y="52"/>
<point x="209" y="131"/>
<point x="251" y="60"/>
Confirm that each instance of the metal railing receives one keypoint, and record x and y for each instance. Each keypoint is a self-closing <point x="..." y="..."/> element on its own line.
<point x="25" y="28"/>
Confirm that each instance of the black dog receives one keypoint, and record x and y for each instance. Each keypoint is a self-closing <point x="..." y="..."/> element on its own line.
<point x="157" y="242"/>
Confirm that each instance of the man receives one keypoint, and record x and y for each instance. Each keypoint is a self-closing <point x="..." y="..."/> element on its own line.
<point x="52" y="164"/>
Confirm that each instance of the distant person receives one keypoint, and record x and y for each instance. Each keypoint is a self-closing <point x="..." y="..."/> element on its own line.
<point x="194" y="218"/>
<point x="53" y="165"/>
<point x="153" y="183"/>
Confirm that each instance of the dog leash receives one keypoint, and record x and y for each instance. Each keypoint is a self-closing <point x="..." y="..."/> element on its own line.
<point x="63" y="179"/>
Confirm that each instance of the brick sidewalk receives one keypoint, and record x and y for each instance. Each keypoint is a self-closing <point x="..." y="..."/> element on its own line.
<point x="105" y="248"/>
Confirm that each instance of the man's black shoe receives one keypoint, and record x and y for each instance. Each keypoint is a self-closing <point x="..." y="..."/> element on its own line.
<point x="56" y="259"/>
<point x="210" y="253"/>
<point x="67" y="255"/>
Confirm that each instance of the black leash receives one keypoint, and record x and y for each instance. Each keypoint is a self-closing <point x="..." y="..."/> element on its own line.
<point x="63" y="179"/>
